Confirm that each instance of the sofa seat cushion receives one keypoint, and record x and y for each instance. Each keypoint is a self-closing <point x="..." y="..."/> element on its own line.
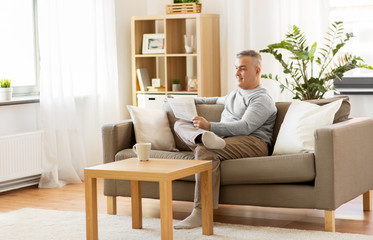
<point x="128" y="153"/>
<point x="291" y="168"/>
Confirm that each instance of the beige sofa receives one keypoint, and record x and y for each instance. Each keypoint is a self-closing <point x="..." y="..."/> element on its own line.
<point x="340" y="169"/>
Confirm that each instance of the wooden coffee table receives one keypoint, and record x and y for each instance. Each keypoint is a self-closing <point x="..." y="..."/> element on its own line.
<point x="163" y="171"/>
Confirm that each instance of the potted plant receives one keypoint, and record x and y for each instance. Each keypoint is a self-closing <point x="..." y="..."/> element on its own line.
<point x="310" y="74"/>
<point x="176" y="85"/>
<point x="5" y="90"/>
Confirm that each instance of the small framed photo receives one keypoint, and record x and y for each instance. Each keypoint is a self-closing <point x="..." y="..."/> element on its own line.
<point x="156" y="82"/>
<point x="153" y="43"/>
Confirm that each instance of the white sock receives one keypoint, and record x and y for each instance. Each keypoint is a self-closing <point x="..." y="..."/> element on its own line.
<point x="212" y="141"/>
<point x="194" y="220"/>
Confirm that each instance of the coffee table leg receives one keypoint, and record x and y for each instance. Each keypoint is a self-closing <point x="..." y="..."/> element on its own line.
<point x="136" y="204"/>
<point x="207" y="203"/>
<point x="91" y="207"/>
<point x="165" y="195"/>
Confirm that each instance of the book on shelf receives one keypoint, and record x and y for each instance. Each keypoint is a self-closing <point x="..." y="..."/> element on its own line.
<point x="143" y="78"/>
<point x="156" y="89"/>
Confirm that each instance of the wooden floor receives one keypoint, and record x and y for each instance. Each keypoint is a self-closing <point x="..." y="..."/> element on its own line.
<point x="350" y="217"/>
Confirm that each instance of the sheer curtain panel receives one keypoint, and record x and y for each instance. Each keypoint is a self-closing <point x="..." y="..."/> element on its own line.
<point x="79" y="79"/>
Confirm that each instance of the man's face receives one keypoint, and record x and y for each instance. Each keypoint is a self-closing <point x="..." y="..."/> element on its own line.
<point x="247" y="75"/>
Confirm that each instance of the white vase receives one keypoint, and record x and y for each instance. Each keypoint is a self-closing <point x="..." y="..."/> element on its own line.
<point x="6" y="94"/>
<point x="189" y="43"/>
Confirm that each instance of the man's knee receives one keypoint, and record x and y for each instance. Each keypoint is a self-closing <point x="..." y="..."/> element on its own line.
<point x="179" y="127"/>
<point x="203" y="153"/>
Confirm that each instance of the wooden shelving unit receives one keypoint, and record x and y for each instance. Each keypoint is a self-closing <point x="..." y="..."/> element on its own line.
<point x="203" y="63"/>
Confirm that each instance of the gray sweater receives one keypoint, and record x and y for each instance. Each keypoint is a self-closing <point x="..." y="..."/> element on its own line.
<point x="246" y="112"/>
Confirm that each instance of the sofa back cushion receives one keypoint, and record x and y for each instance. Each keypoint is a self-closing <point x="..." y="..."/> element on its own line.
<point x="343" y="112"/>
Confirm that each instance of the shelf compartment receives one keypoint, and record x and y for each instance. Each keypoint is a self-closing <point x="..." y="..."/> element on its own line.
<point x="141" y="27"/>
<point x="155" y="67"/>
<point x="176" y="68"/>
<point x="175" y="31"/>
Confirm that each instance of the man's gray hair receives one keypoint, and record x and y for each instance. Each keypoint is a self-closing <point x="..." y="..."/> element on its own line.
<point x="251" y="53"/>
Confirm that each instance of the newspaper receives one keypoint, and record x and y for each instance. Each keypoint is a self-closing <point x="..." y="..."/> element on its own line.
<point x="183" y="107"/>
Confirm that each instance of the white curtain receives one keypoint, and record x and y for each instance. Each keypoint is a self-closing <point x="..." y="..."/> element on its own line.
<point x="78" y="84"/>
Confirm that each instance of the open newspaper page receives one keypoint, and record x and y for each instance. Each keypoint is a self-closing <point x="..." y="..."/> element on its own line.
<point x="183" y="107"/>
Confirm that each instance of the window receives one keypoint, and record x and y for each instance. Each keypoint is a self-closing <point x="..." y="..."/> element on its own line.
<point x="18" y="46"/>
<point x="357" y="18"/>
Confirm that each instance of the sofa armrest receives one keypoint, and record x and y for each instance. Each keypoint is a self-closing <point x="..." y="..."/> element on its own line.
<point x="343" y="162"/>
<point x="116" y="137"/>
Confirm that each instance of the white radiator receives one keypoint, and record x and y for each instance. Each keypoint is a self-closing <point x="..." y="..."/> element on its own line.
<point x="20" y="160"/>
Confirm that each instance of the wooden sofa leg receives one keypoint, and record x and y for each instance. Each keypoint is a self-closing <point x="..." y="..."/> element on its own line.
<point x="111" y="205"/>
<point x="329" y="221"/>
<point x="367" y="201"/>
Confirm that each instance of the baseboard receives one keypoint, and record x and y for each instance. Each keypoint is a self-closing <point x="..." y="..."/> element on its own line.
<point x="19" y="183"/>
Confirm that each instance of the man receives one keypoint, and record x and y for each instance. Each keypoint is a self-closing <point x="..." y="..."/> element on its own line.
<point x="246" y="124"/>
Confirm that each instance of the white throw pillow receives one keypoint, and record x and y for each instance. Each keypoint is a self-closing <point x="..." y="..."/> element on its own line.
<point x="301" y="120"/>
<point x="151" y="125"/>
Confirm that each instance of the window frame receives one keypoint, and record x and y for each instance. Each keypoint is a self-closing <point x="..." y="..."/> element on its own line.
<point x="32" y="90"/>
<point x="357" y="84"/>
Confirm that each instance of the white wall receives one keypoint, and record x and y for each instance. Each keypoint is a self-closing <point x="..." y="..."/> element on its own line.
<point x="124" y="9"/>
<point x="16" y="119"/>
<point x="361" y="105"/>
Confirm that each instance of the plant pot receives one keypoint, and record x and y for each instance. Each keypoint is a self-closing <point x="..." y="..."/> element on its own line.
<point x="176" y="87"/>
<point x="6" y="94"/>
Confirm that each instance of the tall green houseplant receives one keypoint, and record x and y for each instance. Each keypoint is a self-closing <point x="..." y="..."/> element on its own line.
<point x="312" y="72"/>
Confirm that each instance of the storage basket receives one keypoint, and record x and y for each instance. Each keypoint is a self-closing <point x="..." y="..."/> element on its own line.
<point x="178" y="8"/>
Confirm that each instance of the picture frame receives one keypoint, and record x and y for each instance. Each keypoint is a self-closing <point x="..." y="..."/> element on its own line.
<point x="143" y="77"/>
<point x="153" y="43"/>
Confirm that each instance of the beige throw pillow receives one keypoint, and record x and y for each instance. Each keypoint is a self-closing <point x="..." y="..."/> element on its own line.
<point x="301" y="120"/>
<point x="151" y="125"/>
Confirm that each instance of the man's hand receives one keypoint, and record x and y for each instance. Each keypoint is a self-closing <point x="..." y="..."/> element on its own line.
<point x="201" y="122"/>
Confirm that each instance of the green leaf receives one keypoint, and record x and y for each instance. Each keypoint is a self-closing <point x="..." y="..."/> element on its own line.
<point x="313" y="50"/>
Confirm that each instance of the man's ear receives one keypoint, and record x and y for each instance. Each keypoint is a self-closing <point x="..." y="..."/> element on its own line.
<point x="258" y="70"/>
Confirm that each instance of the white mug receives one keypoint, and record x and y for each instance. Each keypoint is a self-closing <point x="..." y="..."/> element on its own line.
<point x="142" y="151"/>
